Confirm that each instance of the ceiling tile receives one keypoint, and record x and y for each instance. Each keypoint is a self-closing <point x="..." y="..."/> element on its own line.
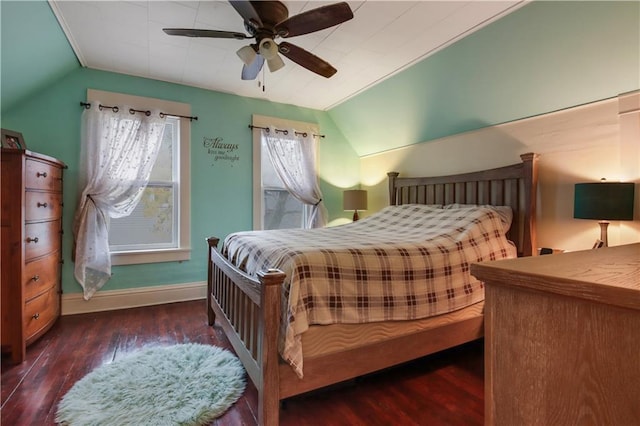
<point x="173" y="14"/>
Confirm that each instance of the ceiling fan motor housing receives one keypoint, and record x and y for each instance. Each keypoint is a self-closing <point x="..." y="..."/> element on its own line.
<point x="271" y="13"/>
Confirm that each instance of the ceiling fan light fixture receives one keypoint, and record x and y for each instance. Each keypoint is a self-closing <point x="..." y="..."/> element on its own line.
<point x="247" y="54"/>
<point x="268" y="48"/>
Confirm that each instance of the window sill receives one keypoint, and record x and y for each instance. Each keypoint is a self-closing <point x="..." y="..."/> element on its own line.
<point x="150" y="256"/>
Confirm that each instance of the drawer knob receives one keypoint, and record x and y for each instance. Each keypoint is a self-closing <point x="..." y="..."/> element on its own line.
<point x="36" y="316"/>
<point x="42" y="205"/>
<point x="32" y="240"/>
<point x="43" y="174"/>
<point x="35" y="278"/>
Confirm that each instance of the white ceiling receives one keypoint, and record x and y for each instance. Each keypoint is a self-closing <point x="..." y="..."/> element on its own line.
<point x="383" y="38"/>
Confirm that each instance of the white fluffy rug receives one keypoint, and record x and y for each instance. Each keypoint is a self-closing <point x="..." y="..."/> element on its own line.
<point x="188" y="384"/>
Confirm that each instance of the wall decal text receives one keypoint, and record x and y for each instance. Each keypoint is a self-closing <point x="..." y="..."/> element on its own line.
<point x="220" y="150"/>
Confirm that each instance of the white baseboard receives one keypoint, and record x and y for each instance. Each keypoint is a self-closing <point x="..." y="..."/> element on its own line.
<point x="109" y="300"/>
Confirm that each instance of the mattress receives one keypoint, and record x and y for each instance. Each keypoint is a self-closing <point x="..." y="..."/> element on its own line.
<point x="321" y="340"/>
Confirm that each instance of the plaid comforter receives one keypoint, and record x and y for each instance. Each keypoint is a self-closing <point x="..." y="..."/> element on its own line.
<point x="404" y="262"/>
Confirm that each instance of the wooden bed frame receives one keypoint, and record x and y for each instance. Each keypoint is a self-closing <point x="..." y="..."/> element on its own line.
<point x="248" y="309"/>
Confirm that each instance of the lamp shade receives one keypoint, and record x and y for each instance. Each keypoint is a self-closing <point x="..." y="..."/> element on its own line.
<point x="604" y="201"/>
<point x="247" y="54"/>
<point x="275" y="63"/>
<point x="355" y="199"/>
<point x="269" y="49"/>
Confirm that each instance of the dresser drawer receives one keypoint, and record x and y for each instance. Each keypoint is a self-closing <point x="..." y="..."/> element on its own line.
<point x="40" y="314"/>
<point x="31" y="248"/>
<point x="43" y="205"/>
<point x="41" y="238"/>
<point x="41" y="274"/>
<point x="41" y="175"/>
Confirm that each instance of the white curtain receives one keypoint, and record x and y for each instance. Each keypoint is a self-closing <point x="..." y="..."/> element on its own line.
<point x="293" y="155"/>
<point x="116" y="157"/>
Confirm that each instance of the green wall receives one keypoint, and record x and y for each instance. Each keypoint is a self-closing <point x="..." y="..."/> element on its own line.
<point x="220" y="191"/>
<point x="35" y="51"/>
<point x="545" y="56"/>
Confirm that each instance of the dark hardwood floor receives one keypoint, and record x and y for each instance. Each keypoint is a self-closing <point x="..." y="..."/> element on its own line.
<point x="442" y="389"/>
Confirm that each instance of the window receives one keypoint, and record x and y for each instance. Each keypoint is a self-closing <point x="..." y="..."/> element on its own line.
<point x="158" y="230"/>
<point x="281" y="209"/>
<point x="153" y="224"/>
<point x="273" y="206"/>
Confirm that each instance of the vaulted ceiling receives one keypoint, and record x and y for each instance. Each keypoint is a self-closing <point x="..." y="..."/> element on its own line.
<point x="383" y="38"/>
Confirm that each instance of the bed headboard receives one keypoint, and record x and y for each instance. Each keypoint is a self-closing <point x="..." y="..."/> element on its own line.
<point x="514" y="186"/>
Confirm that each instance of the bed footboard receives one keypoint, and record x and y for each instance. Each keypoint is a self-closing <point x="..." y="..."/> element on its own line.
<point x="248" y="310"/>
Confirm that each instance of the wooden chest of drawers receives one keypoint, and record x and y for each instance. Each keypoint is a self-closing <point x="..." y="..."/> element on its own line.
<point x="31" y="247"/>
<point x="562" y="337"/>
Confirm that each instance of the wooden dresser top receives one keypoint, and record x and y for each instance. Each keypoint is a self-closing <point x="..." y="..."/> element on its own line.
<point x="608" y="275"/>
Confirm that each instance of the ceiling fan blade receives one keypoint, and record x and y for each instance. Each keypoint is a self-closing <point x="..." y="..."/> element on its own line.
<point x="307" y="59"/>
<point x="250" y="72"/>
<point x="314" y="20"/>
<point x="247" y="11"/>
<point x="189" y="32"/>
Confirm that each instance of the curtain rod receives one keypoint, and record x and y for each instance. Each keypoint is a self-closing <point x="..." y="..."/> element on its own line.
<point x="286" y="132"/>
<point x="133" y="111"/>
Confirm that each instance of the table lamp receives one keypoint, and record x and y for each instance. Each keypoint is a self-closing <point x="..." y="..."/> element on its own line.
<point x="604" y="201"/>
<point x="355" y="199"/>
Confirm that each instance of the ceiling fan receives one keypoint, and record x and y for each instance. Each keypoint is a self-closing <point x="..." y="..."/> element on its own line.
<point x="265" y="21"/>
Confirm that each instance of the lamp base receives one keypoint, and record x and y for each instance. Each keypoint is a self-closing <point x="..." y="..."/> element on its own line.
<point x="355" y="215"/>
<point x="603" y="232"/>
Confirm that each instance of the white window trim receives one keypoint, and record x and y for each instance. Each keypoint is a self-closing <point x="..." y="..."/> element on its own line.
<point x="183" y="252"/>
<point x="278" y="123"/>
